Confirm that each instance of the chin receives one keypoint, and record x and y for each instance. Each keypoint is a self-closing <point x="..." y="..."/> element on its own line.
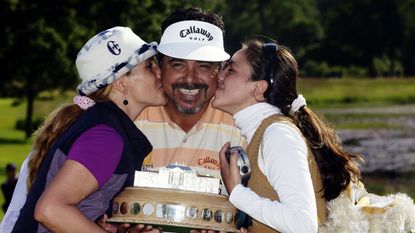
<point x="217" y="104"/>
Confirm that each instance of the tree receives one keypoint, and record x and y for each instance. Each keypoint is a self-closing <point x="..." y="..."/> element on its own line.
<point x="294" y="24"/>
<point x="35" y="55"/>
<point x="358" y="31"/>
<point x="406" y="9"/>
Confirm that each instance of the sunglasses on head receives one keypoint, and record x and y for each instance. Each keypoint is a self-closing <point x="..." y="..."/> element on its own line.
<point x="269" y="51"/>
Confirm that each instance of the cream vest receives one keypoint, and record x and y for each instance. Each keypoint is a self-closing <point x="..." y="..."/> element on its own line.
<point x="259" y="182"/>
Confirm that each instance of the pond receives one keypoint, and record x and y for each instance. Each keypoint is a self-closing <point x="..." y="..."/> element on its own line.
<point x="385" y="136"/>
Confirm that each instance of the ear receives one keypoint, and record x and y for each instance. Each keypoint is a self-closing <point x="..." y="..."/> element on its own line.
<point x="260" y="88"/>
<point x="120" y="84"/>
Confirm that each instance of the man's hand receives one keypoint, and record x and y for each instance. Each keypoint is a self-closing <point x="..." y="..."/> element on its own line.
<point x="141" y="228"/>
<point x="244" y="230"/>
<point x="206" y="231"/>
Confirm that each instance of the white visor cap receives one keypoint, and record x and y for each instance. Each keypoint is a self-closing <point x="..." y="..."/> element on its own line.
<point x="193" y="40"/>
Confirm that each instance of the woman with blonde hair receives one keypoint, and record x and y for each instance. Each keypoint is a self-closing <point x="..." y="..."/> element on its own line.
<point x="86" y="152"/>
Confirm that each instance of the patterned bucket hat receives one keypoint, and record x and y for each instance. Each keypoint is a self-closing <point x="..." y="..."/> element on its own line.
<point x="109" y="55"/>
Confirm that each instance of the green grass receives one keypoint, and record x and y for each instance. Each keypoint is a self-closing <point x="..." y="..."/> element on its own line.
<point x="390" y="183"/>
<point x="366" y="120"/>
<point x="358" y="93"/>
<point x="361" y="92"/>
<point x="356" y="116"/>
<point x="13" y="145"/>
<point x="367" y="125"/>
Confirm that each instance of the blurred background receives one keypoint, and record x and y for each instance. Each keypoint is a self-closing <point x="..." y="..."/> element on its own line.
<point x="356" y="59"/>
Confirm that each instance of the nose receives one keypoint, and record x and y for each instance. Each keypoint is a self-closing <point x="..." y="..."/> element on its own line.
<point x="221" y="76"/>
<point x="191" y="73"/>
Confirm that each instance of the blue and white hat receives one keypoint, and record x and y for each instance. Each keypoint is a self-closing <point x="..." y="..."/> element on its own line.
<point x="193" y="40"/>
<point x="109" y="55"/>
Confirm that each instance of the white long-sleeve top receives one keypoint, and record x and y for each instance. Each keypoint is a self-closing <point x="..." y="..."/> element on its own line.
<point x="283" y="160"/>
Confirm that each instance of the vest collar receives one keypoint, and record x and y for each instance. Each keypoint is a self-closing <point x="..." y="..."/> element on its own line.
<point x="138" y="139"/>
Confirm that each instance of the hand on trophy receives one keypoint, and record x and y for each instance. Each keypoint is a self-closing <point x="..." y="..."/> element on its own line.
<point x="108" y="227"/>
<point x="125" y="227"/>
<point x="244" y="230"/>
<point x="206" y="231"/>
<point x="140" y="228"/>
<point x="230" y="171"/>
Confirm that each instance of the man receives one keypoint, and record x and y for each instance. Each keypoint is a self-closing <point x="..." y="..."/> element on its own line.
<point x="188" y="130"/>
<point x="8" y="186"/>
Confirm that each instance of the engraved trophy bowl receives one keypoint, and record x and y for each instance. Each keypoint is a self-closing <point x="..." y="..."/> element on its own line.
<point x="174" y="210"/>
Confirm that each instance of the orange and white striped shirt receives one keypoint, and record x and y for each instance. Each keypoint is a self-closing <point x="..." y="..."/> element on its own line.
<point x="198" y="148"/>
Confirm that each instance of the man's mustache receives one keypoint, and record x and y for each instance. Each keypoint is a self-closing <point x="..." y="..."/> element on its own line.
<point x="190" y="86"/>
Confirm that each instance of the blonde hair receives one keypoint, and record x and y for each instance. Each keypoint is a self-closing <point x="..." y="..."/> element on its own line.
<point x="55" y="124"/>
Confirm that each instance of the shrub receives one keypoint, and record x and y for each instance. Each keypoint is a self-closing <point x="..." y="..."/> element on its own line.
<point x="20" y="124"/>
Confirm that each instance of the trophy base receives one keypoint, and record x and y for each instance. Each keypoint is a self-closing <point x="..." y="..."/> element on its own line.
<point x="173" y="210"/>
<point x="174" y="227"/>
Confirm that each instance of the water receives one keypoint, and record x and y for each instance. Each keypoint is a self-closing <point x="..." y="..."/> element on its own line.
<point x="384" y="149"/>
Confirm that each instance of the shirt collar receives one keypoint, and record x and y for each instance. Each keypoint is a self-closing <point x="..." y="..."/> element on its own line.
<point x="249" y="118"/>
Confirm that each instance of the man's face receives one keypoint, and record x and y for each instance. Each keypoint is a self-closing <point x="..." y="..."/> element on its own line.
<point x="189" y="85"/>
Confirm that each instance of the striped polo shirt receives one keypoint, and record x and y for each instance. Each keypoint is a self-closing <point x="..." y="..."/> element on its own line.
<point x="198" y="148"/>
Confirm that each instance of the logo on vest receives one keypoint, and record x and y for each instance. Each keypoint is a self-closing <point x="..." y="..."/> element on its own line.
<point x="195" y="30"/>
<point x="113" y="47"/>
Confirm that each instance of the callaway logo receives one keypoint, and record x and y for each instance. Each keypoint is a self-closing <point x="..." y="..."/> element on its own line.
<point x="113" y="47"/>
<point x="194" y="29"/>
<point x="209" y="163"/>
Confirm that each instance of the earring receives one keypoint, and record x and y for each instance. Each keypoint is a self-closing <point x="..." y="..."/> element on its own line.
<point x="125" y="102"/>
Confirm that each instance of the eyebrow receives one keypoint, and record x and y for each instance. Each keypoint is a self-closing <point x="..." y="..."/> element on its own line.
<point x="232" y="62"/>
<point x="173" y="59"/>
